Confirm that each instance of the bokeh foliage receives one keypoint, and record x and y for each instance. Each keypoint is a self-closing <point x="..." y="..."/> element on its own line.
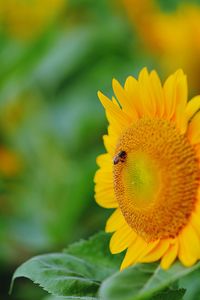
<point x="54" y="56"/>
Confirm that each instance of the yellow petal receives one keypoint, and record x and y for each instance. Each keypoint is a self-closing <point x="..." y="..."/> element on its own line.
<point x="106" y="198"/>
<point x="157" y="93"/>
<point x="189" y="246"/>
<point x="170" y="256"/>
<point x="104" y="190"/>
<point x="133" y="252"/>
<point x="175" y="93"/>
<point x="115" y="115"/>
<point x="170" y="95"/>
<point x="146" y="94"/>
<point x="115" y="102"/>
<point x="115" y="221"/>
<point x="150" y="246"/>
<point x="157" y="252"/>
<point x="103" y="180"/>
<point x="114" y="131"/>
<point x="192" y="107"/>
<point x="194" y="129"/>
<point x="110" y="142"/>
<point x="132" y="88"/>
<point x="105" y="161"/>
<point x="195" y="222"/>
<point x="181" y="102"/>
<point x="122" y="239"/>
<point x="125" y="101"/>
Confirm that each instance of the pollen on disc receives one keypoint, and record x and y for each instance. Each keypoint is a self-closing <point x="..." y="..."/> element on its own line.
<point x="156" y="185"/>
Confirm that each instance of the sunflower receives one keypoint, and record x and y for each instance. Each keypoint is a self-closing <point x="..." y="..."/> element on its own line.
<point x="150" y="174"/>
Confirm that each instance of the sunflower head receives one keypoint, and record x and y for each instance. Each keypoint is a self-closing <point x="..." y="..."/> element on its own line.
<point x="151" y="171"/>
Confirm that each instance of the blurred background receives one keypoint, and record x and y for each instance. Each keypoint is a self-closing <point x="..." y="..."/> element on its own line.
<point x="54" y="56"/>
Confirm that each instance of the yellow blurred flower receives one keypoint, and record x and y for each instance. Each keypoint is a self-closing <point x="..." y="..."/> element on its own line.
<point x="151" y="171"/>
<point x="10" y="164"/>
<point x="173" y="37"/>
<point x="27" y="18"/>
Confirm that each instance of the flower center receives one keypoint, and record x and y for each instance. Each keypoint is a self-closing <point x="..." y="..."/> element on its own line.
<point x="156" y="182"/>
<point x="141" y="176"/>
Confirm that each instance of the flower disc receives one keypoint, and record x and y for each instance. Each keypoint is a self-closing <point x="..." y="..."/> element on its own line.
<point x="156" y="184"/>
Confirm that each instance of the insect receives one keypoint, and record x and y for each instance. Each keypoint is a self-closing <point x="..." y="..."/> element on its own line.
<point x="120" y="157"/>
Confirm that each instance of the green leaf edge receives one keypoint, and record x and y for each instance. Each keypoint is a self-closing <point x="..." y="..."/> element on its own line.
<point x="144" y="293"/>
<point x="18" y="270"/>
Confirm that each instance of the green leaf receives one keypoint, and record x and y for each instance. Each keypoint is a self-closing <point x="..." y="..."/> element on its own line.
<point x="87" y="270"/>
<point x="170" y="294"/>
<point x="142" y="281"/>
<point x="96" y="251"/>
<point x="76" y="273"/>
<point x="191" y="284"/>
<point x="61" y="275"/>
<point x="50" y="297"/>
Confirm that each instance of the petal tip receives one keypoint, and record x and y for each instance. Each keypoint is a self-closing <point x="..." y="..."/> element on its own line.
<point x="99" y="94"/>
